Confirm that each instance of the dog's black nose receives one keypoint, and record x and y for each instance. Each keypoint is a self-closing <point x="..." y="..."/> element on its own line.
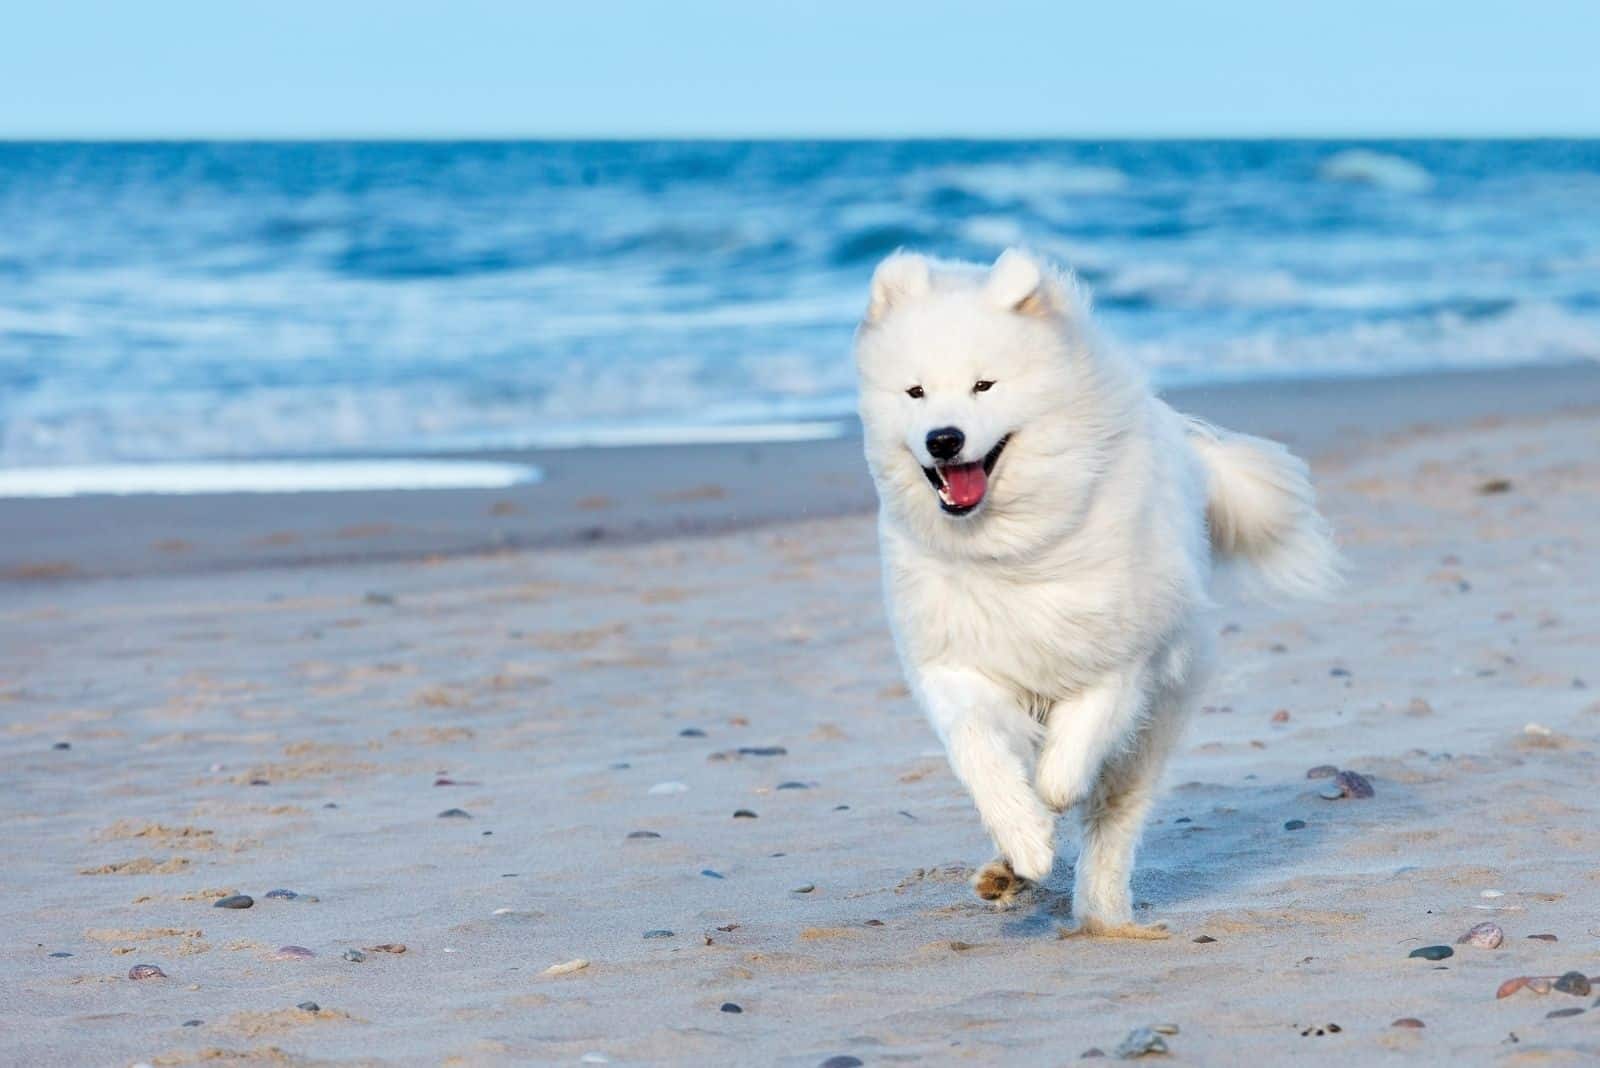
<point x="945" y="443"/>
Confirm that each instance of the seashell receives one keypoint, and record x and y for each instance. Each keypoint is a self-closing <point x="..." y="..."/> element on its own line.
<point x="1354" y="784"/>
<point x="1140" y="1040"/>
<point x="146" y="971"/>
<point x="1484" y="935"/>
<point x="1511" y="986"/>
<point x="1540" y="984"/>
<point x="1322" y="771"/>
<point x="577" y="964"/>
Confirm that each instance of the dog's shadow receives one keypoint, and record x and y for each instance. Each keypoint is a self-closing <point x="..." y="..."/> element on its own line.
<point x="1202" y="840"/>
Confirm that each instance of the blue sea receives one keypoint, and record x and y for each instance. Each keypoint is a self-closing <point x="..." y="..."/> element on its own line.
<point x="178" y="301"/>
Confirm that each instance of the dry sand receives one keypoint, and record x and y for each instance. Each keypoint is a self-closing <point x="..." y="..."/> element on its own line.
<point x="304" y="728"/>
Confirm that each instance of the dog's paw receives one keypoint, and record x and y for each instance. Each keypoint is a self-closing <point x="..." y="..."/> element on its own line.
<point x="1089" y="927"/>
<point x="998" y="883"/>
<point x="1032" y="855"/>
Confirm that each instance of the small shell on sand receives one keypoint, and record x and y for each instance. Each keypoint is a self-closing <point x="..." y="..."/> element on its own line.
<point x="1511" y="986"/>
<point x="1322" y="771"/>
<point x="1354" y="784"/>
<point x="1540" y="984"/>
<point x="1140" y="1041"/>
<point x="1483" y="935"/>
<point x="146" y="971"/>
<point x="293" y="953"/>
<point x="577" y="964"/>
<point x="1408" y="1021"/>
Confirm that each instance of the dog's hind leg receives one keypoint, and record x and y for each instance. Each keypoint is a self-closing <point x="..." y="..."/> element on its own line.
<point x="990" y="740"/>
<point x="1113" y="820"/>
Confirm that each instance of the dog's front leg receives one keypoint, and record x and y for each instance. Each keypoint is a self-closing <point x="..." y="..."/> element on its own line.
<point x="990" y="740"/>
<point x="1081" y="733"/>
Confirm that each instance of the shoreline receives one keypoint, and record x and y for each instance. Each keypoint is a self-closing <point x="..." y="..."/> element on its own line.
<point x="633" y="494"/>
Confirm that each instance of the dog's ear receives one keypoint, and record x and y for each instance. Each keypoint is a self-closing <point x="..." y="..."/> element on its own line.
<point x="899" y="278"/>
<point x="1018" y="283"/>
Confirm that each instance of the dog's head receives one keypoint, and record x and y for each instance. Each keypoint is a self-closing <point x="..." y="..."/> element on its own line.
<point x="971" y="381"/>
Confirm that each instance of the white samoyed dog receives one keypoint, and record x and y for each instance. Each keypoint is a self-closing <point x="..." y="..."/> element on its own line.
<point x="1048" y="530"/>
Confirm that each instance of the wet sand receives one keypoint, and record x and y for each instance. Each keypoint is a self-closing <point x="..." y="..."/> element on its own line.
<point x="601" y="713"/>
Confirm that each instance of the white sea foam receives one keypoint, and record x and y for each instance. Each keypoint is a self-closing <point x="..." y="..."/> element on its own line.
<point x="1366" y="167"/>
<point x="300" y="476"/>
<point x="1027" y="181"/>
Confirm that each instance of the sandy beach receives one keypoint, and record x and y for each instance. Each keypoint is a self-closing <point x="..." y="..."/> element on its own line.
<point x="624" y="763"/>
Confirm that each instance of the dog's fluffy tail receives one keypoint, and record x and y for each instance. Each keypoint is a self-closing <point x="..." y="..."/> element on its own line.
<point x="1261" y="509"/>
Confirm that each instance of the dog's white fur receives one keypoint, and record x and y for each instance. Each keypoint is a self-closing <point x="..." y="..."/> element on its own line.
<point x="1057" y="636"/>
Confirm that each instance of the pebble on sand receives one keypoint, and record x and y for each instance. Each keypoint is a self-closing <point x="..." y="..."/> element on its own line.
<point x="1543" y="937"/>
<point x="146" y="971"/>
<point x="744" y="814"/>
<point x="1483" y="935"/>
<point x="576" y="964"/>
<point x="234" y="901"/>
<point x="691" y="732"/>
<point x="1408" y="1021"/>
<point x="1204" y="940"/>
<point x="455" y="814"/>
<point x="388" y="947"/>
<point x="1432" y="952"/>
<point x="643" y="834"/>
<point x="659" y="933"/>
<point x="1294" y="825"/>
<point x="354" y="956"/>
<point x="732" y="1006"/>
<point x="843" y="1060"/>
<point x="1322" y="771"/>
<point x="293" y="953"/>
<point x="805" y="889"/>
<point x="1573" y="983"/>
<point x="309" y="1006"/>
<point x="762" y="750"/>
<point x="281" y="895"/>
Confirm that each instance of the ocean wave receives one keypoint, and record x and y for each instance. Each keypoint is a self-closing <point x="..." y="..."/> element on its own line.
<point x="1363" y="166"/>
<point x="1524" y="333"/>
<point x="1026" y="181"/>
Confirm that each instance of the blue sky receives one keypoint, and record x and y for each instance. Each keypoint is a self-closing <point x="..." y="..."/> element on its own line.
<point x="764" y="68"/>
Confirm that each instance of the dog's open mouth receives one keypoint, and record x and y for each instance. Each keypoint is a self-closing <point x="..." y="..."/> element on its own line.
<point x="962" y="487"/>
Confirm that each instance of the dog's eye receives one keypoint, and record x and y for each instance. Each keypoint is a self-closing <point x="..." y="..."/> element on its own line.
<point x="915" y="392"/>
<point x="982" y="385"/>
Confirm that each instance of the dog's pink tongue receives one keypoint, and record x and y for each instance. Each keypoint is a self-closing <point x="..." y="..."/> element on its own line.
<point x="966" y="483"/>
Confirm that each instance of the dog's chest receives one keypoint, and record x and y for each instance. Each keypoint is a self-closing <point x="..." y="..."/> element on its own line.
<point x="1046" y="637"/>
